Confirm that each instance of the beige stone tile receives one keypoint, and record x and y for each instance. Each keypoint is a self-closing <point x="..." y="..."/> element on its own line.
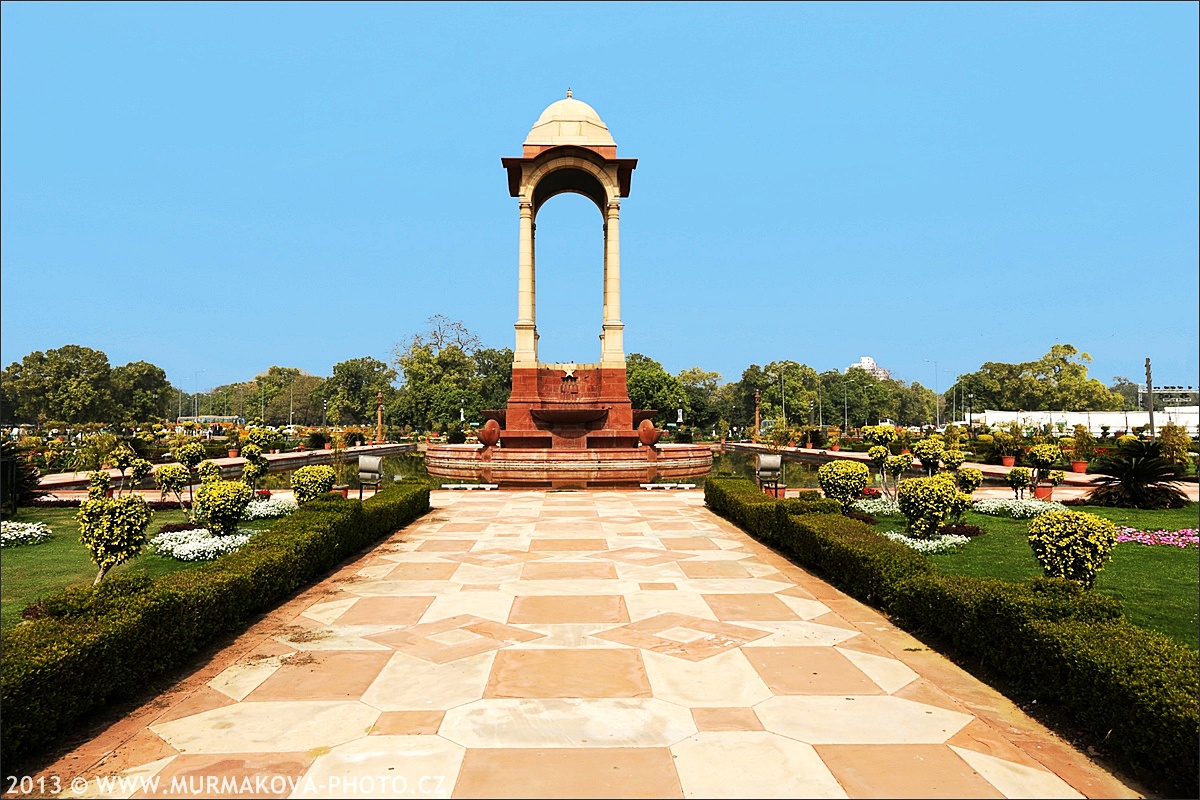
<point x="571" y="722"/>
<point x="688" y="543"/>
<point x="747" y="607"/>
<point x="401" y="588"/>
<point x="887" y="673"/>
<point x="386" y="766"/>
<point x="714" y="569"/>
<point x="726" y="719"/>
<point x="809" y="671"/>
<point x="568" y="587"/>
<point x="384" y="611"/>
<point x="567" y="545"/>
<point x="417" y="571"/>
<point x="489" y="573"/>
<point x="597" y="673"/>
<point x="805" y="609"/>
<point x="751" y="764"/>
<point x="723" y="680"/>
<point x="1017" y="780"/>
<point x="904" y="770"/>
<point x="409" y="683"/>
<point x="568" y="570"/>
<point x="709" y="586"/>
<point x="322" y="676"/>
<point x="644" y="556"/>
<point x="858" y="720"/>
<point x="194" y="774"/>
<point x="657" y="573"/>
<point x="204" y="698"/>
<point x="407" y="723"/>
<point x="446" y="545"/>
<point x="271" y="727"/>
<point x="614" y="772"/>
<point x="578" y="608"/>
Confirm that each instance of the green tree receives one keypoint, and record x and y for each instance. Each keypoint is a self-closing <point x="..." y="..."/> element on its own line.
<point x="493" y="368"/>
<point x="141" y="391"/>
<point x="703" y="395"/>
<point x="1058" y="381"/>
<point x="71" y="384"/>
<point x="652" y="387"/>
<point x="352" y="390"/>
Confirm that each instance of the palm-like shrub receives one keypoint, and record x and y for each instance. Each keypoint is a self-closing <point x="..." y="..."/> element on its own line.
<point x="1136" y="476"/>
<point x="20" y="477"/>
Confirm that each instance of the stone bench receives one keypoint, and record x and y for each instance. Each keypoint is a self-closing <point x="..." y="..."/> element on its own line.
<point x="649" y="486"/>
<point x="470" y="486"/>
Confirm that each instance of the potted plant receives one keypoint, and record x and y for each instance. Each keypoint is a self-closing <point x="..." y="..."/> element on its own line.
<point x="834" y="441"/>
<point x="1042" y="457"/>
<point x="1084" y="449"/>
<point x="1005" y="446"/>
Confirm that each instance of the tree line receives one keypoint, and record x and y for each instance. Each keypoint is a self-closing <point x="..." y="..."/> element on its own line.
<point x="444" y="374"/>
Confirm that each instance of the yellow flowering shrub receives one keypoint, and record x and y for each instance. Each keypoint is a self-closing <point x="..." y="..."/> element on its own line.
<point x="1072" y="544"/>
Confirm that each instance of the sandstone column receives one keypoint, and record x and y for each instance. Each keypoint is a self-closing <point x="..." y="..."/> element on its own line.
<point x="613" y="349"/>
<point x="526" y="351"/>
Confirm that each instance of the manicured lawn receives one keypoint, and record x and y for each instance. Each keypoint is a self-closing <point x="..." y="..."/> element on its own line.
<point x="1158" y="586"/>
<point x="33" y="571"/>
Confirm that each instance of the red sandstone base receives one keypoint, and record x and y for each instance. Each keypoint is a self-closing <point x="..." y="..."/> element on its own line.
<point x="567" y="469"/>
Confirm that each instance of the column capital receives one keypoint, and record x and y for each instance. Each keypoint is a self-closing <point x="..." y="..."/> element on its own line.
<point x="614" y="207"/>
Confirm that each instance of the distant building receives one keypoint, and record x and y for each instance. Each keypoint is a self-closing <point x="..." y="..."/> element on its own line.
<point x="867" y="364"/>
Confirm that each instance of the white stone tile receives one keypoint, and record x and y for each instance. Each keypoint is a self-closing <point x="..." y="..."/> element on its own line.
<point x="400" y="588"/>
<point x="726" y="680"/>
<point x="384" y="766"/>
<point x="328" y="612"/>
<point x="576" y="635"/>
<point x="651" y="603"/>
<point x="489" y="605"/>
<point x="869" y="719"/>
<point x="751" y="764"/>
<point x="798" y="634"/>
<point x="474" y="573"/>
<point x="294" y="726"/>
<point x="569" y="722"/>
<point x="408" y="683"/>
<point x="338" y="637"/>
<point x="243" y="677"/>
<point x="1017" y="780"/>
<point x="126" y="784"/>
<point x="889" y="674"/>
<point x="541" y="588"/>
<point x="807" y="609"/>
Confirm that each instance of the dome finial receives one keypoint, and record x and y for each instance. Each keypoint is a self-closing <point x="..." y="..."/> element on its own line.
<point x="568" y="92"/>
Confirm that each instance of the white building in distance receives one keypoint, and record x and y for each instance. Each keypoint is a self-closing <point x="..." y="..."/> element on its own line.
<point x="867" y="364"/>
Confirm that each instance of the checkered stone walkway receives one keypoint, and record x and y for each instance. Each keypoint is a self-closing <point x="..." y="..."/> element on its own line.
<point x="584" y="644"/>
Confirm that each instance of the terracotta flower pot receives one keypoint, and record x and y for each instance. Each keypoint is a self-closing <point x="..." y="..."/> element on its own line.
<point x="1008" y="461"/>
<point x="835" y="447"/>
<point x="233" y="452"/>
<point x="1079" y="466"/>
<point x="1043" y="492"/>
<point x="328" y="445"/>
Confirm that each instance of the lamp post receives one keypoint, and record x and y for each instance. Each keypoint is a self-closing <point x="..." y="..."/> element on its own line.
<point x="970" y="415"/>
<point x="782" y="396"/>
<point x="196" y="397"/>
<point x="324" y="408"/>
<point x="757" y="420"/>
<point x="937" y="401"/>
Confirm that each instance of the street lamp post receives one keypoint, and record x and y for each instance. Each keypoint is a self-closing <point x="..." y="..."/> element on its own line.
<point x="937" y="401"/>
<point x="196" y="396"/>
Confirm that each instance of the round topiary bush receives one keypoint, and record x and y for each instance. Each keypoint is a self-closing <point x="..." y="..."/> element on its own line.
<point x="113" y="530"/>
<point x="843" y="481"/>
<point x="172" y="478"/>
<point x="929" y="451"/>
<point x="208" y="471"/>
<point x="222" y="504"/>
<point x="968" y="479"/>
<point x="953" y="459"/>
<point x="1072" y="544"/>
<point x="927" y="502"/>
<point x="312" y="482"/>
<point x="880" y="435"/>
<point x="1018" y="479"/>
<point x="879" y="456"/>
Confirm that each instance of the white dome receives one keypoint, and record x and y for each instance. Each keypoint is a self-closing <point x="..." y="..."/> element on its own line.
<point x="570" y="121"/>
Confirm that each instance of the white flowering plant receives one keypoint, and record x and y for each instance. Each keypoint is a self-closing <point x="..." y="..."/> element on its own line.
<point x="15" y="534"/>
<point x="198" y="544"/>
<point x="937" y="544"/>
<point x="1017" y="509"/>
<point x="269" y="509"/>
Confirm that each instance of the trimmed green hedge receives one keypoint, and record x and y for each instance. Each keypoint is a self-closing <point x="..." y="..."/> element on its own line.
<point x="94" y="645"/>
<point x="1048" y="637"/>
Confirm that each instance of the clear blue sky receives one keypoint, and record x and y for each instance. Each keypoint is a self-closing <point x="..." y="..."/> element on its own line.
<point x="223" y="187"/>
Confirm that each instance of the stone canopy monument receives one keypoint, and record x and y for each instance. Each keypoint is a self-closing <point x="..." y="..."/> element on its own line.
<point x="569" y="425"/>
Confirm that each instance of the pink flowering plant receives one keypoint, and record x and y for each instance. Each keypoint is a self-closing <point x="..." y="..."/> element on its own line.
<point x="1183" y="538"/>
